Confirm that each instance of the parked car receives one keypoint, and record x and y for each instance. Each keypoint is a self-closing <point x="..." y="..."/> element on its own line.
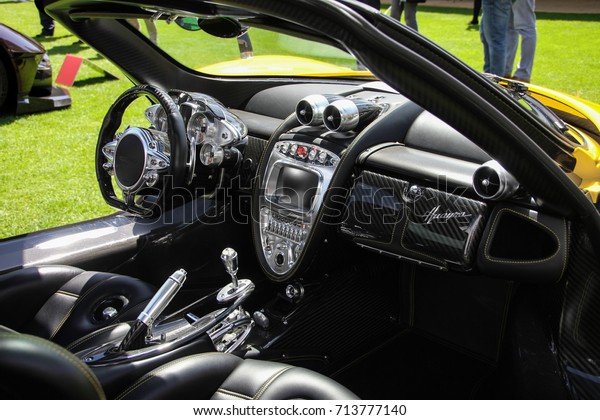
<point x="26" y="76"/>
<point x="415" y="231"/>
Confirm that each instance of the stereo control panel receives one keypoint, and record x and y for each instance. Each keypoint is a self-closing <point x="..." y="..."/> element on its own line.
<point x="298" y="175"/>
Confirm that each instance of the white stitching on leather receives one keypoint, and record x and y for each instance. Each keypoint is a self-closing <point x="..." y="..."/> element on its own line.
<point x="7" y="330"/>
<point x="64" y="292"/>
<point x="72" y="308"/>
<point x="233" y="394"/>
<point x="65" y="354"/>
<point x="155" y="372"/>
<point x="87" y="337"/>
<point x="269" y="381"/>
<point x="112" y="324"/>
<point x="524" y="216"/>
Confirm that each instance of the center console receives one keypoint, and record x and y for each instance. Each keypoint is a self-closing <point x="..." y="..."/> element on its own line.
<point x="123" y="352"/>
<point x="298" y="174"/>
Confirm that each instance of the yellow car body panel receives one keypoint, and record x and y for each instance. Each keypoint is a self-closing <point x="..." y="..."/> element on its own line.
<point x="281" y="65"/>
<point x="561" y="101"/>
<point x="582" y="116"/>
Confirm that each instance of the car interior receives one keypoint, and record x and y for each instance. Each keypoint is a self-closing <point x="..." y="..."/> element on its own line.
<point x="302" y="237"/>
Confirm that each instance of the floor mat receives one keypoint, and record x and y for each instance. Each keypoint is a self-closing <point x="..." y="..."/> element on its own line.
<point x="414" y="367"/>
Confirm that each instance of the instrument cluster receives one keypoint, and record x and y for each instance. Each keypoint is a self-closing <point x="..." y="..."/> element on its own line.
<point x="146" y="162"/>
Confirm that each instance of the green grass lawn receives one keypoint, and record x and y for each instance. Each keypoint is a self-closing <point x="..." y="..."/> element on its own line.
<point x="48" y="179"/>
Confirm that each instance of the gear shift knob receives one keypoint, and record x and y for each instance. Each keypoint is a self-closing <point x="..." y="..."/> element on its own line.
<point x="229" y="257"/>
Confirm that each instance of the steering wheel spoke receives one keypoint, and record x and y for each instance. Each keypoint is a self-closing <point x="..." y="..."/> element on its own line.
<point x="109" y="151"/>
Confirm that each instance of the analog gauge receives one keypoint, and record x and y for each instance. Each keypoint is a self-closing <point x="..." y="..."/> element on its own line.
<point x="157" y="117"/>
<point x="197" y="127"/>
<point x="211" y="155"/>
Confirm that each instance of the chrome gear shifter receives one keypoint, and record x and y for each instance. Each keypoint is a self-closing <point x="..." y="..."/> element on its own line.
<point x="236" y="288"/>
<point x="229" y="257"/>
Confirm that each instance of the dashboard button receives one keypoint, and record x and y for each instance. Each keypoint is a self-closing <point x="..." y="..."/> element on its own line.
<point x="302" y="152"/>
<point x="322" y="157"/>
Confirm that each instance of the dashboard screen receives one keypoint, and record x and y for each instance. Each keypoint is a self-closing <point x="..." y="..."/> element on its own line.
<point x="296" y="188"/>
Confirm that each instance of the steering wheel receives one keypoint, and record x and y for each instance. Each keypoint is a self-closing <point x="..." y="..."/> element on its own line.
<point x="145" y="163"/>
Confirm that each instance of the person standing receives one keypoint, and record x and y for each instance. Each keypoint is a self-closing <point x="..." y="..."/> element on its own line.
<point x="493" y="32"/>
<point x="408" y="6"/>
<point x="476" y="11"/>
<point x="46" y="21"/>
<point x="521" y="22"/>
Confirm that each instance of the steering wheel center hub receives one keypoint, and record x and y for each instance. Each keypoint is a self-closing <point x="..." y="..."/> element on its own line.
<point x="139" y="156"/>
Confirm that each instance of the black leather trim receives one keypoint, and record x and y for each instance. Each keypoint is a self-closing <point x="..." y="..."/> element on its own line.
<point x="258" y="125"/>
<point x="99" y="337"/>
<point x="23" y="292"/>
<point x="429" y="168"/>
<point x="56" y="302"/>
<point x="67" y="314"/>
<point x="431" y="134"/>
<point x="539" y="268"/>
<point x="261" y="380"/>
<point x="192" y="377"/>
<point x="34" y="368"/>
<point x="225" y="376"/>
<point x="280" y="101"/>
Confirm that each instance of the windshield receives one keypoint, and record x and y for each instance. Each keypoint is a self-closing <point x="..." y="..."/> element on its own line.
<point x="257" y="52"/>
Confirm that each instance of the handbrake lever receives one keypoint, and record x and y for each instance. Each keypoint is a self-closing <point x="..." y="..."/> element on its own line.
<point x="153" y="309"/>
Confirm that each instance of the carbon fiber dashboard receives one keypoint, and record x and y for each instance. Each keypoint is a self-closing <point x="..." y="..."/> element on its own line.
<point x="415" y="205"/>
<point x="407" y="220"/>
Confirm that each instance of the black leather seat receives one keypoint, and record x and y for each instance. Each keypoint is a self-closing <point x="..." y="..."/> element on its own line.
<point x="220" y="376"/>
<point x="63" y="303"/>
<point x="34" y="368"/>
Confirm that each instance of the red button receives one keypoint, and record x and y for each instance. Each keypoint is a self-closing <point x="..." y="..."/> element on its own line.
<point x="302" y="151"/>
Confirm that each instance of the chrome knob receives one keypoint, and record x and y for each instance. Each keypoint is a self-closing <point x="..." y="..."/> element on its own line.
<point x="229" y="257"/>
<point x="108" y="313"/>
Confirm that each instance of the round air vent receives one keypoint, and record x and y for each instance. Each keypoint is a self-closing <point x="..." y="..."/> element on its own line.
<point x="341" y="115"/>
<point x="350" y="114"/>
<point x="309" y="110"/>
<point x="492" y="182"/>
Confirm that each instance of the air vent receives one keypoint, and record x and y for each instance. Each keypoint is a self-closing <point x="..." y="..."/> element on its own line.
<point x="492" y="182"/>
<point x="349" y="114"/>
<point x="309" y="110"/>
